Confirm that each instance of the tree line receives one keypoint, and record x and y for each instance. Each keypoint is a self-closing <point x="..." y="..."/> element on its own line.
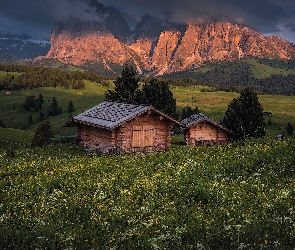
<point x="37" y="76"/>
<point x="235" y="76"/>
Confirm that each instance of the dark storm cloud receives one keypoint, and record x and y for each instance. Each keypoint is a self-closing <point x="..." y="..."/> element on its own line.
<point x="291" y="26"/>
<point x="256" y="13"/>
<point x="37" y="17"/>
<point x="267" y="16"/>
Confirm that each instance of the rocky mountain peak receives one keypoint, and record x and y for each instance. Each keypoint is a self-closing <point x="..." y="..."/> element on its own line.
<point x="108" y="20"/>
<point x="158" y="46"/>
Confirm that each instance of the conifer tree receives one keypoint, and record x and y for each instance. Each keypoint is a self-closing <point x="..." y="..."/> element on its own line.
<point x="71" y="107"/>
<point x="158" y="94"/>
<point x="30" y="120"/>
<point x="244" y="116"/>
<point x="54" y="109"/>
<point x="126" y="86"/>
<point x="2" y="125"/>
<point x="42" y="134"/>
<point x="188" y="111"/>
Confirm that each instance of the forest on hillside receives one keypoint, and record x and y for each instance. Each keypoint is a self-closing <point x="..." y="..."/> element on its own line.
<point x="24" y="76"/>
<point x="225" y="76"/>
<point x="234" y="76"/>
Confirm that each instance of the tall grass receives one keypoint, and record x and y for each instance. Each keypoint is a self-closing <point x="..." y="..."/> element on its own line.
<point x="239" y="196"/>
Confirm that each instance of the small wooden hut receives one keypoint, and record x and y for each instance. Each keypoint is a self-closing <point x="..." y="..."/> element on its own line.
<point x="125" y="128"/>
<point x="202" y="130"/>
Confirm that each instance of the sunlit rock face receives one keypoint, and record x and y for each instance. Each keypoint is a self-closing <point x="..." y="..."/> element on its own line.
<point x="158" y="47"/>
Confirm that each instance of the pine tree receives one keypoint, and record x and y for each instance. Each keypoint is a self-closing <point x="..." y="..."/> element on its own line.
<point x="2" y="125"/>
<point x="54" y="109"/>
<point x="126" y="86"/>
<point x="244" y="116"/>
<point x="41" y="99"/>
<point x="188" y="111"/>
<point x="42" y="134"/>
<point x="41" y="116"/>
<point x="30" y="120"/>
<point x="71" y="107"/>
<point x="158" y="94"/>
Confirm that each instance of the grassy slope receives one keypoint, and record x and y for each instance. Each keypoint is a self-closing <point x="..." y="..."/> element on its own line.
<point x="18" y="117"/>
<point x="264" y="71"/>
<point x="239" y="196"/>
<point x="213" y="104"/>
<point x="15" y="138"/>
<point x="259" y="70"/>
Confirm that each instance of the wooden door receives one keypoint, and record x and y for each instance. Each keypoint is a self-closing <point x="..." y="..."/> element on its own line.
<point x="143" y="136"/>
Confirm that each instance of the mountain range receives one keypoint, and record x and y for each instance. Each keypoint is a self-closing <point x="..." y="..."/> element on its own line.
<point x="155" y="47"/>
<point x="14" y="47"/>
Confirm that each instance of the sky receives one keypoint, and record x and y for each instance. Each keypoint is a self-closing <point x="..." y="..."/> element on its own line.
<point x="37" y="17"/>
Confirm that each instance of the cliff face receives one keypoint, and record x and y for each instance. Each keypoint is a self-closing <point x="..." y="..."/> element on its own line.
<point x="165" y="49"/>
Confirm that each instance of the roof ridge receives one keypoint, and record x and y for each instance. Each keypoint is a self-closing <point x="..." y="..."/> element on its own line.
<point x="112" y="114"/>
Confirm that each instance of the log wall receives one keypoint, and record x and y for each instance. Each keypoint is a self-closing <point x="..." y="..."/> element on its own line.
<point x="93" y="137"/>
<point x="147" y="124"/>
<point x="146" y="133"/>
<point x="205" y="133"/>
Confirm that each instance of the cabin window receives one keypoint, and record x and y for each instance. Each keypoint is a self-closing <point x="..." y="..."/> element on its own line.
<point x="143" y="136"/>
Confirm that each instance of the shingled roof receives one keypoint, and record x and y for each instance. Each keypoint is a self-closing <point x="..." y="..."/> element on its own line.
<point x="112" y="114"/>
<point x="197" y="118"/>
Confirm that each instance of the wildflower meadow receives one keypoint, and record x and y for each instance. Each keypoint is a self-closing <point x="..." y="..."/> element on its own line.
<point x="238" y="196"/>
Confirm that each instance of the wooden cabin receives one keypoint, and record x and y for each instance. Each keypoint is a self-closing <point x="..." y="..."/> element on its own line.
<point x="202" y="130"/>
<point x="125" y="128"/>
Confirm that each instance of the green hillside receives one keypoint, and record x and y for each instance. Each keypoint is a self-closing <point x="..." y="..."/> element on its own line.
<point x="239" y="196"/>
<point x="211" y="103"/>
<point x="67" y="86"/>
<point x="269" y="76"/>
<point x="259" y="68"/>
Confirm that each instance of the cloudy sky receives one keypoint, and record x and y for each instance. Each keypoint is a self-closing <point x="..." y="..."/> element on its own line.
<point x="36" y="17"/>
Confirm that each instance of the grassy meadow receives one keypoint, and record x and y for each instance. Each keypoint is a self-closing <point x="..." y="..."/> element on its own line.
<point x="211" y="103"/>
<point x="238" y="196"/>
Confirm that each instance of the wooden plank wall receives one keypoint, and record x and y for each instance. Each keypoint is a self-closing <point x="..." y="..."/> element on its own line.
<point x="147" y="131"/>
<point x="206" y="133"/>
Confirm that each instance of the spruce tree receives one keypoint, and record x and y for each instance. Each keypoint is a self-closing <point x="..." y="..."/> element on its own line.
<point x="54" y="109"/>
<point x="126" y="86"/>
<point x="158" y="94"/>
<point x="71" y="107"/>
<point x="30" y="120"/>
<point x="42" y="134"/>
<point x="244" y="116"/>
<point x="188" y="111"/>
<point x="2" y="125"/>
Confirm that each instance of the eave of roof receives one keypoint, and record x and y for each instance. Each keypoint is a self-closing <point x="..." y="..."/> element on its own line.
<point x="110" y="115"/>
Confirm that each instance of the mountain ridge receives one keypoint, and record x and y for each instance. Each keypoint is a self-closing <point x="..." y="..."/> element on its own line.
<point x="156" y="47"/>
<point x="173" y="50"/>
<point x="22" y="46"/>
